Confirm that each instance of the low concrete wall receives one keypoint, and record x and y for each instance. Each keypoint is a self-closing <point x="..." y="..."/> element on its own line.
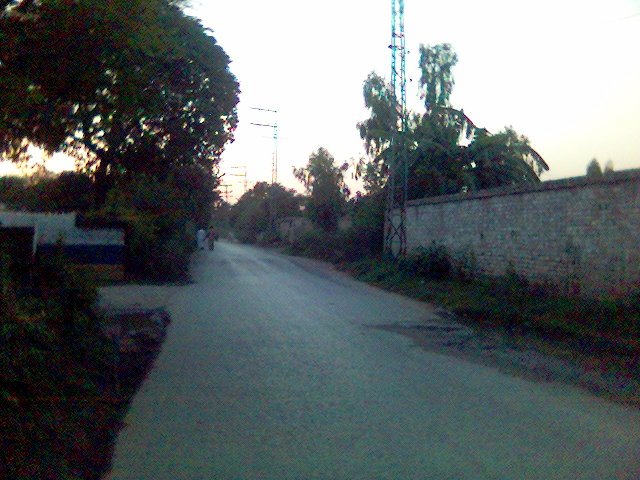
<point x="99" y="249"/>
<point x="582" y="234"/>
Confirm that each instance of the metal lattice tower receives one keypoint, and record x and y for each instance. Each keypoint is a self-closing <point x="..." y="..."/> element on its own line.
<point x="274" y="156"/>
<point x="395" y="235"/>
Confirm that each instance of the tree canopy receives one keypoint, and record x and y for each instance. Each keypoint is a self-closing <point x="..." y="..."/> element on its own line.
<point x="133" y="86"/>
<point x="324" y="182"/>
<point x="446" y="151"/>
<point x="252" y="214"/>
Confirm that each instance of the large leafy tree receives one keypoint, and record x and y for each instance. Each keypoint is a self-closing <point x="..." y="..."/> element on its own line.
<point x="446" y="151"/>
<point x="324" y="182"/>
<point x="65" y="192"/>
<point x="133" y="86"/>
<point x="251" y="215"/>
<point x="436" y="80"/>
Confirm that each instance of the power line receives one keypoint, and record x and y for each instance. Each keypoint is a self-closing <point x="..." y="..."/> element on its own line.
<point x="244" y="175"/>
<point x="226" y="187"/>
<point x="274" y="126"/>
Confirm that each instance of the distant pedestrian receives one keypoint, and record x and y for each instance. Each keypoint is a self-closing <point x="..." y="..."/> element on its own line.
<point x="201" y="237"/>
<point x="211" y="237"/>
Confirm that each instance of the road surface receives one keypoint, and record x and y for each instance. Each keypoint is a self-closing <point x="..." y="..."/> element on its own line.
<point x="272" y="370"/>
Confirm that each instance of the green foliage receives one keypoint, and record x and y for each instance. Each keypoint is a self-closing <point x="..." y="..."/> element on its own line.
<point x="512" y="303"/>
<point x="138" y="86"/>
<point x="465" y="266"/>
<point x="318" y="244"/>
<point x="158" y="215"/>
<point x="7" y="293"/>
<point x="363" y="239"/>
<point x="65" y="192"/>
<point x="367" y="233"/>
<point x="54" y="366"/>
<point x="436" y="81"/>
<point x="504" y="158"/>
<point x="433" y="262"/>
<point x="251" y="216"/>
<point x="437" y="165"/>
<point x="593" y="169"/>
<point x="446" y="152"/>
<point x="376" y="130"/>
<point x="608" y="168"/>
<point x="324" y="182"/>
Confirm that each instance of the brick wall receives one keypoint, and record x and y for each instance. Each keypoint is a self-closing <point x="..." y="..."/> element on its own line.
<point x="581" y="234"/>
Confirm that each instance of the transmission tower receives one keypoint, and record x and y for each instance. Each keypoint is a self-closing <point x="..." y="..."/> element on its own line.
<point x="226" y="187"/>
<point x="395" y="235"/>
<point x="274" y="156"/>
<point x="243" y="175"/>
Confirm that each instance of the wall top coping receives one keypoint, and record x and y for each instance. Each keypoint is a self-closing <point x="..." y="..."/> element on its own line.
<point x="623" y="176"/>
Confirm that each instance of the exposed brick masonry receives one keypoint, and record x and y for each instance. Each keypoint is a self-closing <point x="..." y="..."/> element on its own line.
<point x="582" y="234"/>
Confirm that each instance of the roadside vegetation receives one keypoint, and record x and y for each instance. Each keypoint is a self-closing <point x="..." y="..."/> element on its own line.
<point x="55" y="411"/>
<point x="252" y="217"/>
<point x="509" y="302"/>
<point x="141" y="95"/>
<point x="65" y="380"/>
<point x="447" y="154"/>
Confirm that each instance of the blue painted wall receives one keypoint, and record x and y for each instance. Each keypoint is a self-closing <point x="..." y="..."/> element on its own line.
<point x="89" y="254"/>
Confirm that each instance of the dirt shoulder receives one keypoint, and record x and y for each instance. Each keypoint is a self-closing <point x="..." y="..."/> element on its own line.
<point x="607" y="372"/>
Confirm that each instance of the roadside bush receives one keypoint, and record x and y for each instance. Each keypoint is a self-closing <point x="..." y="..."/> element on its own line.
<point x="465" y="266"/>
<point x="342" y="246"/>
<point x="7" y="294"/>
<point x="366" y="238"/>
<point x="433" y="262"/>
<point x="160" y="235"/>
<point x="318" y="244"/>
<point x="53" y="367"/>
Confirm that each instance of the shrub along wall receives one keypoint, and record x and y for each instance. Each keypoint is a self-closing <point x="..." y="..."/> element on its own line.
<point x="581" y="234"/>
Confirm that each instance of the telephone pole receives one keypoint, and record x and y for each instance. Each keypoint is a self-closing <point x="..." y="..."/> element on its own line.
<point x="274" y="126"/>
<point x="243" y="175"/>
<point x="226" y="187"/>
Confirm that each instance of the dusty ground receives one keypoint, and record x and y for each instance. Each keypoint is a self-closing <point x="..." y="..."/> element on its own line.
<point x="603" y="373"/>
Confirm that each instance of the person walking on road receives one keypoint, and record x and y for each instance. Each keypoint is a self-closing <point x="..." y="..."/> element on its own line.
<point x="201" y="237"/>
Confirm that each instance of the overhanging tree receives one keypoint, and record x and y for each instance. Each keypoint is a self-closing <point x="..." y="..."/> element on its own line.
<point x="132" y="86"/>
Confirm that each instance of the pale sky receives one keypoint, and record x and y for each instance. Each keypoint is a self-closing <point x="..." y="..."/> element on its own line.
<point x="565" y="73"/>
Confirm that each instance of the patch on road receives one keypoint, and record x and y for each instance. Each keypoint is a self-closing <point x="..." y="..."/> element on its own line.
<point x="616" y="378"/>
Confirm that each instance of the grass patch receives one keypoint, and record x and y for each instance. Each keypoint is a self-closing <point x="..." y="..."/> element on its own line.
<point x="65" y="384"/>
<point x="512" y="303"/>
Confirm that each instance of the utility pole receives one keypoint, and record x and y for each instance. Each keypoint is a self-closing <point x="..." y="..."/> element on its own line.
<point x="274" y="126"/>
<point x="226" y="187"/>
<point x="274" y="165"/>
<point x="244" y="175"/>
<point x="395" y="231"/>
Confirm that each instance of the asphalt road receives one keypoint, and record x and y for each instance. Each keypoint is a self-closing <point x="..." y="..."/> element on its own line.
<point x="272" y="370"/>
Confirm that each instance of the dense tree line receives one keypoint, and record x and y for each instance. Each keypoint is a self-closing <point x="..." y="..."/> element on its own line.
<point x="129" y="86"/>
<point x="252" y="217"/>
<point x="64" y="192"/>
